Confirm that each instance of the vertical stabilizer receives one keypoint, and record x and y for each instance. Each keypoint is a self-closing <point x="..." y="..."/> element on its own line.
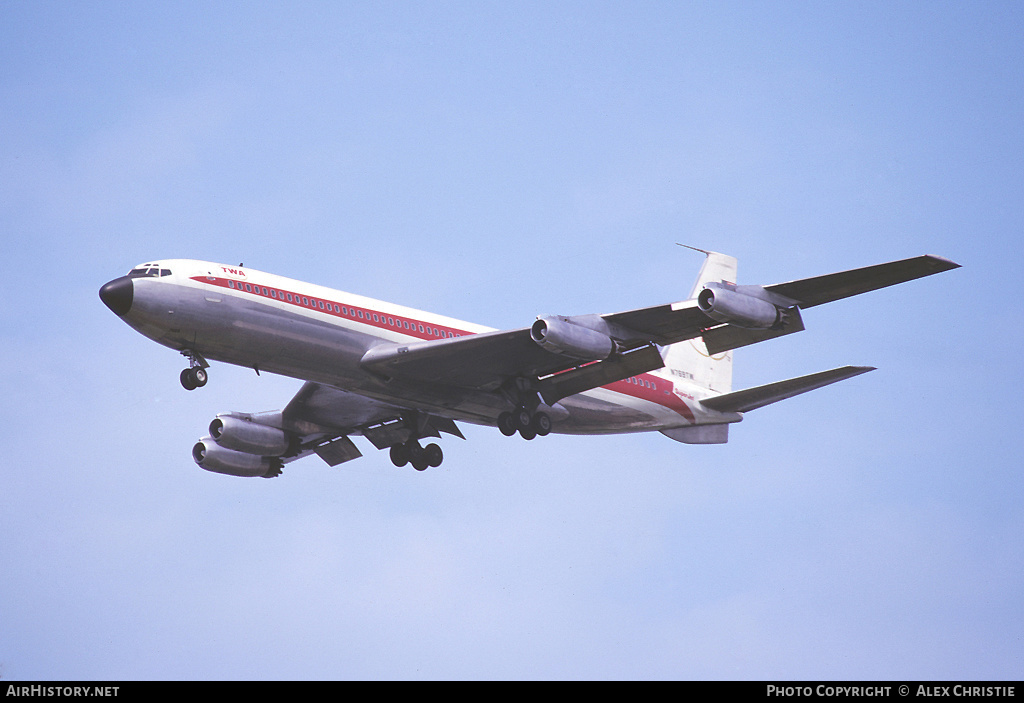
<point x="689" y="361"/>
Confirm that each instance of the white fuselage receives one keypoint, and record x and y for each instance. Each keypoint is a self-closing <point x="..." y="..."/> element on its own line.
<point x="279" y="325"/>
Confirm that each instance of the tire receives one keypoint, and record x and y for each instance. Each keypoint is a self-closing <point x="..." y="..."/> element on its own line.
<point x="527" y="433"/>
<point x="523" y="419"/>
<point x="399" y="455"/>
<point x="507" y="424"/>
<point x="433" y="455"/>
<point x="187" y="382"/>
<point x="417" y="456"/>
<point x="541" y="424"/>
<point x="200" y="376"/>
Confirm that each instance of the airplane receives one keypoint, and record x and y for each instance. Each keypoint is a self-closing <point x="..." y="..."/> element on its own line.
<point x="396" y="375"/>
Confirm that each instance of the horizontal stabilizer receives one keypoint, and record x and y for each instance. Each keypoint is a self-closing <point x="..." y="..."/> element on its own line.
<point x="753" y="398"/>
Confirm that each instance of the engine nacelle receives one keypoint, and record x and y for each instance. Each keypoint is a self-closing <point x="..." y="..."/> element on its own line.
<point x="213" y="457"/>
<point x="739" y="309"/>
<point x="556" y="334"/>
<point x="250" y="437"/>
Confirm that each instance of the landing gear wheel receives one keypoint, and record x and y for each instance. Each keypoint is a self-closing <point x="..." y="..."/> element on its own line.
<point x="433" y="455"/>
<point x="399" y="455"/>
<point x="541" y="424"/>
<point x="527" y="432"/>
<point x="195" y="377"/>
<point x="417" y="456"/>
<point x="523" y="419"/>
<point x="507" y="424"/>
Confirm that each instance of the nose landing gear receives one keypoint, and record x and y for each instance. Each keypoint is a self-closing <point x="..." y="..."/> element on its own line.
<point x="195" y="376"/>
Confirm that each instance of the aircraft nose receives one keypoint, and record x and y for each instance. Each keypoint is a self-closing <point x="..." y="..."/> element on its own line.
<point x="118" y="294"/>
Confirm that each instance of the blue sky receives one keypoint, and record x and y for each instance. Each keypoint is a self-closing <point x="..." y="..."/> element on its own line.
<point x="493" y="162"/>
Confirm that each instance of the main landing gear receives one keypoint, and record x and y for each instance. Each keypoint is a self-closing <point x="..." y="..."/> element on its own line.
<point x="420" y="457"/>
<point x="195" y="376"/>
<point x="528" y="424"/>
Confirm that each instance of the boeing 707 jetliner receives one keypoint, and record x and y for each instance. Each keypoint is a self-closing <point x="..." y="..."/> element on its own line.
<point x="396" y="375"/>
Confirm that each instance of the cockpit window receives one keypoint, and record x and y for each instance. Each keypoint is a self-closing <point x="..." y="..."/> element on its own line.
<point x="148" y="272"/>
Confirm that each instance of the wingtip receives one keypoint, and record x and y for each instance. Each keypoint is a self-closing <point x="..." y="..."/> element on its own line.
<point x="941" y="263"/>
<point x="852" y="371"/>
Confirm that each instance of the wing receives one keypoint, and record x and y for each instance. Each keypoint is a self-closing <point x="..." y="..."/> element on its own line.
<point x="479" y="361"/>
<point x="494" y="360"/>
<point x="318" y="420"/>
<point x="793" y="296"/>
<point x="324" y="416"/>
<point x="809" y="292"/>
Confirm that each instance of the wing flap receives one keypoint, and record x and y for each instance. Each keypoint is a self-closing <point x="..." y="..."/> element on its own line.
<point x="726" y="337"/>
<point x="338" y="451"/>
<point x="616" y="368"/>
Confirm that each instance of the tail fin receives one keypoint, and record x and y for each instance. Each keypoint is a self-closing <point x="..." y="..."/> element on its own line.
<point x="690" y="361"/>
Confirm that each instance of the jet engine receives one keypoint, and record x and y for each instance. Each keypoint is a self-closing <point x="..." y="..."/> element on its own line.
<point x="740" y="309"/>
<point x="213" y="457"/>
<point x="558" y="335"/>
<point x="251" y="437"/>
